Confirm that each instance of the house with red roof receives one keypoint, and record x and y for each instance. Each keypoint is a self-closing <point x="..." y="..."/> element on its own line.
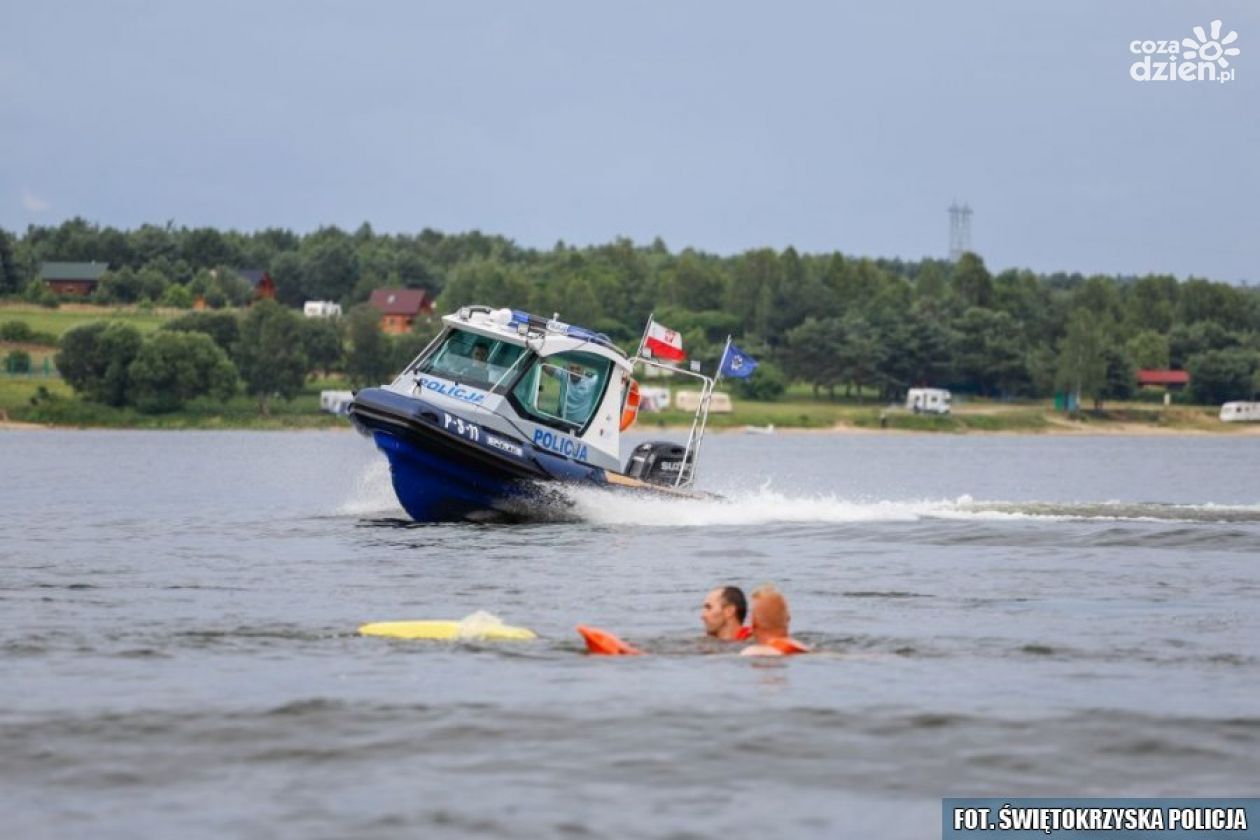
<point x="1172" y="380"/>
<point x="261" y="286"/>
<point x="72" y="278"/>
<point x="399" y="308"/>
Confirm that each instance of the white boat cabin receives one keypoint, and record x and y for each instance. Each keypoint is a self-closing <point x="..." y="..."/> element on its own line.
<point x="558" y="386"/>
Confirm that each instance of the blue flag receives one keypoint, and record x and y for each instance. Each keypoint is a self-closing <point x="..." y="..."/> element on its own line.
<point x="736" y="364"/>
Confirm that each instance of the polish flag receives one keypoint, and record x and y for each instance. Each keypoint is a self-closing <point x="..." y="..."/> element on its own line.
<point x="664" y="343"/>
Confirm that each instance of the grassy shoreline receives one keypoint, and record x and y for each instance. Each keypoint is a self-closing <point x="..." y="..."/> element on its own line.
<point x="49" y="403"/>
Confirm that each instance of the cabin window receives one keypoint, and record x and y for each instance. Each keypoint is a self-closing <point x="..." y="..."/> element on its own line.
<point x="472" y="359"/>
<point x="563" y="390"/>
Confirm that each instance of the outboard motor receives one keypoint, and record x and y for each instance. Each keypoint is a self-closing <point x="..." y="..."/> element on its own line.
<point x="656" y="462"/>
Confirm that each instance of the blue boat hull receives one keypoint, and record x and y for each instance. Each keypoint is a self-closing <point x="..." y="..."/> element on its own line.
<point x="448" y="468"/>
<point x="435" y="488"/>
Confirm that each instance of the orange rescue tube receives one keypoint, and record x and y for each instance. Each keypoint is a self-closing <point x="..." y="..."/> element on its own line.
<point x="603" y="643"/>
<point x="630" y="405"/>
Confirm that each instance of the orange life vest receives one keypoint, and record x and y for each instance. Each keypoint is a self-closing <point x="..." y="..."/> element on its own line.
<point x="787" y="646"/>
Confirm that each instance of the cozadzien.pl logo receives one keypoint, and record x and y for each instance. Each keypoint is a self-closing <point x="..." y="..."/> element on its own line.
<point x="1203" y="58"/>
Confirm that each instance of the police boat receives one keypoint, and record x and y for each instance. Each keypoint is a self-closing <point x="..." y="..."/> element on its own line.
<point x="503" y="405"/>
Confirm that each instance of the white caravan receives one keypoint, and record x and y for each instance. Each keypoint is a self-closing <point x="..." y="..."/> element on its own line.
<point x="928" y="400"/>
<point x="1240" y="412"/>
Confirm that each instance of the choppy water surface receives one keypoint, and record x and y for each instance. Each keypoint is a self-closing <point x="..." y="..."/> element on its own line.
<point x="996" y="616"/>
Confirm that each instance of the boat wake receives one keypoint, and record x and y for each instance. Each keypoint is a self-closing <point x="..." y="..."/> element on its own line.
<point x="765" y="506"/>
<point x="373" y="497"/>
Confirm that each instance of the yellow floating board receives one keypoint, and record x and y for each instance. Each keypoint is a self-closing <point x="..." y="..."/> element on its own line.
<point x="448" y="630"/>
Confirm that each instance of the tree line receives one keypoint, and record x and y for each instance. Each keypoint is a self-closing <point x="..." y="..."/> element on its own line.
<point x="841" y="324"/>
<point x="267" y="351"/>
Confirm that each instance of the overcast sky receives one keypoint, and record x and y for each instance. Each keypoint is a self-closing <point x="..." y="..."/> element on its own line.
<point x="717" y="125"/>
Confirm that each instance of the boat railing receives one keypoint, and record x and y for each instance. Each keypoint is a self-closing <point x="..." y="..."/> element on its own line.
<point x="695" y="435"/>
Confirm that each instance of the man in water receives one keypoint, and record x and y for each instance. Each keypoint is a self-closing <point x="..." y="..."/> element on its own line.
<point x="770" y="625"/>
<point x="723" y="614"/>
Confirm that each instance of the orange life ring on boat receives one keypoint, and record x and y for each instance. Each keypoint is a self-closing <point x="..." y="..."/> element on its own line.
<point x="630" y="405"/>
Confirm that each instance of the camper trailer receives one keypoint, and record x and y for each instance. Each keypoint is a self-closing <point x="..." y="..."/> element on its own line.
<point x="653" y="398"/>
<point x="1240" y="412"/>
<point x="928" y="400"/>
<point x="321" y="309"/>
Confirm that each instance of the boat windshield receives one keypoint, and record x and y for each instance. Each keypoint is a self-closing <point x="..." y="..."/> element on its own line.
<point x="472" y="359"/>
<point x="563" y="390"/>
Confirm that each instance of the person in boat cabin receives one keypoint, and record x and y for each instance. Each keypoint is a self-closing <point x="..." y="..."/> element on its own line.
<point x="723" y="614"/>
<point x="771" y="621"/>
<point x="478" y="366"/>
<point x="579" y="391"/>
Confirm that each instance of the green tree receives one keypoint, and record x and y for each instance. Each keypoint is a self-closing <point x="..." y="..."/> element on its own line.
<point x="10" y="282"/>
<point x="1082" y="365"/>
<point x="753" y="289"/>
<point x="37" y="291"/>
<point x="990" y="351"/>
<point x="206" y="247"/>
<point x="270" y="353"/>
<point x="322" y="339"/>
<point x="923" y="347"/>
<point x="370" y="358"/>
<point x="94" y="360"/>
<point x="1227" y="306"/>
<point x="810" y="354"/>
<point x="693" y="282"/>
<point x="1218" y="376"/>
<point x="176" y="297"/>
<point x="485" y="282"/>
<point x="287" y="271"/>
<point x="234" y="289"/>
<point x="860" y="355"/>
<point x="223" y="327"/>
<point x="766" y="384"/>
<point x="151" y="283"/>
<point x="971" y="281"/>
<point x="1121" y="377"/>
<point x="16" y="331"/>
<point x="150" y="242"/>
<point x="1148" y="350"/>
<point x="1186" y="341"/>
<point x="930" y="282"/>
<point x="330" y="265"/>
<point x="174" y="367"/>
<point x="1100" y="296"/>
<point x="120" y="286"/>
<point x="1151" y="302"/>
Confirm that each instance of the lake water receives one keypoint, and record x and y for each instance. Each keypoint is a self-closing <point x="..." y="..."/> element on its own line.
<point x="996" y="616"/>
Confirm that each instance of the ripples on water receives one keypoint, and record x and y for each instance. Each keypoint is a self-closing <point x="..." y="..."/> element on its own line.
<point x="1012" y="616"/>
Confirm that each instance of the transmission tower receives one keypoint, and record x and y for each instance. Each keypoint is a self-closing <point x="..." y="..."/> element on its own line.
<point x="959" y="230"/>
